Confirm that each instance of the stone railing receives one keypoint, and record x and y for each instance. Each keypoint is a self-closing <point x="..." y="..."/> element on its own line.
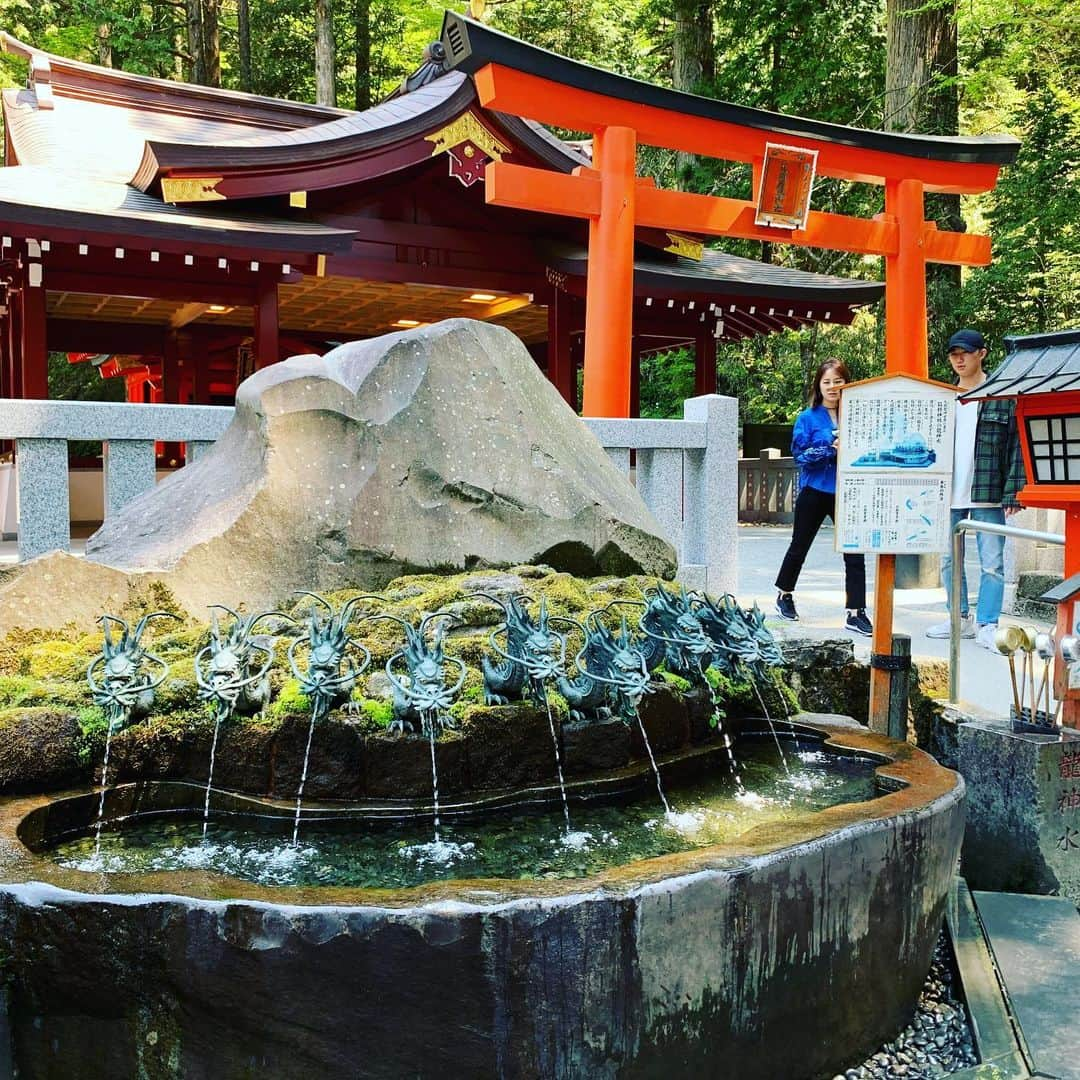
<point x="42" y="431"/>
<point x="685" y="469"/>
<point x="768" y="488"/>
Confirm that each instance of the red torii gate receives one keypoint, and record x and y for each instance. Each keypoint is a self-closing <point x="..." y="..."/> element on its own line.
<point x="514" y="77"/>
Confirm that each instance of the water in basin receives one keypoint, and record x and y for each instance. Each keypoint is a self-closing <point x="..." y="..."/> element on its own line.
<point x="529" y="843"/>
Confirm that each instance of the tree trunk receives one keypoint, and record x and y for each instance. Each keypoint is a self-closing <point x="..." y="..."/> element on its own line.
<point x="921" y="95"/>
<point x="197" y="72"/>
<point x="243" y="34"/>
<point x="325" y="83"/>
<point x="362" y="51"/>
<point x="211" y="34"/>
<point x="105" y="56"/>
<point x="693" y="60"/>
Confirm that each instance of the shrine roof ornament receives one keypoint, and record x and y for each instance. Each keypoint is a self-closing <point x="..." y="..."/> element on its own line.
<point x="1034" y="364"/>
<point x="554" y="89"/>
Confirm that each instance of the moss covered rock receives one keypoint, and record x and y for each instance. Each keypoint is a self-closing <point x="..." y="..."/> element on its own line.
<point x="41" y="749"/>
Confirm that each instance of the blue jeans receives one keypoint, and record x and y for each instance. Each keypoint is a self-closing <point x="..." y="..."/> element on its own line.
<point x="991" y="563"/>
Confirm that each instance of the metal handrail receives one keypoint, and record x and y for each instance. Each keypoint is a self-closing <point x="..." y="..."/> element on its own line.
<point x="967" y="525"/>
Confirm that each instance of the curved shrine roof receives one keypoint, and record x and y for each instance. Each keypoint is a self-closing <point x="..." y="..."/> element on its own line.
<point x="42" y="196"/>
<point x="92" y="153"/>
<point x="721" y="274"/>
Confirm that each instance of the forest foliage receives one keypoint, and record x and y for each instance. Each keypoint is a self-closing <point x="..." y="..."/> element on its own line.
<point x="1016" y="70"/>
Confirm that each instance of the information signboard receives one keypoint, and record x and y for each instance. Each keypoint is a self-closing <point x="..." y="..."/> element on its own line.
<point x="894" y="481"/>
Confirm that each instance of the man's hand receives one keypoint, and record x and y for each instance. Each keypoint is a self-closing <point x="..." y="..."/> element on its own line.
<point x="1010" y="510"/>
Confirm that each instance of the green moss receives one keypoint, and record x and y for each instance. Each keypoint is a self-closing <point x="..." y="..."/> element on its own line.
<point x="16" y="690"/>
<point x="380" y="713"/>
<point x="12" y="715"/>
<point x="154" y="596"/>
<point x="676" y="682"/>
<point x="291" y="701"/>
<point x="179" y="691"/>
<point x="56" y="660"/>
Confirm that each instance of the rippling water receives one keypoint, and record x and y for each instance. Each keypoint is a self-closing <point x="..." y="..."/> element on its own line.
<point x="530" y="844"/>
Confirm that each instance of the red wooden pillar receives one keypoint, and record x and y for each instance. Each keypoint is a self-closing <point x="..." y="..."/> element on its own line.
<point x="560" y="368"/>
<point x="196" y="351"/>
<point x="704" y="363"/>
<point x="14" y="341"/>
<point x="609" y="298"/>
<point x="267" y="338"/>
<point x="171" y="370"/>
<point x="35" y="355"/>
<point x="905" y="353"/>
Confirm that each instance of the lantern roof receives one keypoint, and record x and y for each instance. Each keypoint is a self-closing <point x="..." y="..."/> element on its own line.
<point x="1034" y="364"/>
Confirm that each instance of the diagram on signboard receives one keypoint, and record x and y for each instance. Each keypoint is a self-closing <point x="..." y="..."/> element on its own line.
<point x="894" y="484"/>
<point x="908" y="452"/>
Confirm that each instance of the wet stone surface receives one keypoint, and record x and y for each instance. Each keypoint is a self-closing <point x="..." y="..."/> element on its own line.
<point x="935" y="1044"/>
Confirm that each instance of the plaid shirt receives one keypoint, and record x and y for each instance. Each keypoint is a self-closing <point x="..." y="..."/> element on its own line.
<point x="999" y="463"/>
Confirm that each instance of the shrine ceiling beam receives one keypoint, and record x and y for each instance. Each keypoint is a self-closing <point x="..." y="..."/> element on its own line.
<point x="149" y="287"/>
<point x="427" y="274"/>
<point x="85" y="335"/>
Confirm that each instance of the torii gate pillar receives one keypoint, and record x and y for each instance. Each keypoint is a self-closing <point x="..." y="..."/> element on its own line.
<point x="609" y="296"/>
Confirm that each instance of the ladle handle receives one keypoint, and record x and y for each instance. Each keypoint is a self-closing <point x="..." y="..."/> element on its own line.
<point x="1016" y="693"/>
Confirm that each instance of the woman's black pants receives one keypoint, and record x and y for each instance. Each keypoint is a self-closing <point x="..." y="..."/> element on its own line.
<point x="811" y="508"/>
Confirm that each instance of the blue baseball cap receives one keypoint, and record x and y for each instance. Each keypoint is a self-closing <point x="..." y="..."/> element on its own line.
<point x="968" y="340"/>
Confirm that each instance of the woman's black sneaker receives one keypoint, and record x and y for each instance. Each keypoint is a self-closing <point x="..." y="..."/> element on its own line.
<point x="858" y="623"/>
<point x="785" y="607"/>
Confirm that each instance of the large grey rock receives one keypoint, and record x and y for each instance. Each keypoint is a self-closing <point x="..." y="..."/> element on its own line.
<point x="440" y="448"/>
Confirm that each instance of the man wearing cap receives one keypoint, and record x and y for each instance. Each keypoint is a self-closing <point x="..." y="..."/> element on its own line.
<point x="988" y="471"/>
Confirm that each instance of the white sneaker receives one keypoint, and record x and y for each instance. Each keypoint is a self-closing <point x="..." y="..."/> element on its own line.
<point x="943" y="629"/>
<point x="984" y="637"/>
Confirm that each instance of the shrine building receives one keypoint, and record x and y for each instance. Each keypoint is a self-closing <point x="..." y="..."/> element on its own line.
<point x="180" y="236"/>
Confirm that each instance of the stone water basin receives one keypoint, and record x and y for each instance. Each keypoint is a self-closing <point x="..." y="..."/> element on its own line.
<point x="781" y="950"/>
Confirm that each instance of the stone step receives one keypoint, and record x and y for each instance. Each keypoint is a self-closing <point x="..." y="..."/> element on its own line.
<point x="1035" y="943"/>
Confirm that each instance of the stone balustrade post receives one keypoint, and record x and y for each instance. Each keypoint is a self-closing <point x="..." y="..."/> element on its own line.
<point x="41" y="466"/>
<point x="711" y="477"/>
<point x="660" y="484"/>
<point x="129" y="471"/>
<point x="195" y="449"/>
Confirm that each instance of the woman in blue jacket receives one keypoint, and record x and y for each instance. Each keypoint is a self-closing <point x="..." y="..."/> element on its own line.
<point x="813" y="445"/>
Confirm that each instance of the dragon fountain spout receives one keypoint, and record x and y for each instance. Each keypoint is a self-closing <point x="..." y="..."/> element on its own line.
<point x="674" y="635"/>
<point x="124" y="689"/>
<point x="534" y="654"/>
<point x="233" y="670"/>
<point x="330" y="676"/>
<point x="613" y="672"/>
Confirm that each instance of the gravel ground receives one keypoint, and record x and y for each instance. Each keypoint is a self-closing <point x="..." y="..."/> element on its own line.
<point x="936" y="1043"/>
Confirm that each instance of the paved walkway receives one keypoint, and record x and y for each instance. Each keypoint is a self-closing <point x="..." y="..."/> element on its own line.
<point x="984" y="676"/>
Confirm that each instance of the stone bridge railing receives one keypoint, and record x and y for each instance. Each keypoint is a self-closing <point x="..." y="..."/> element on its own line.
<point x="686" y="470"/>
<point x="768" y="488"/>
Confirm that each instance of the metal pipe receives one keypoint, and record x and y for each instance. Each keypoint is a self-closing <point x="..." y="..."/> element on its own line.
<point x="967" y="525"/>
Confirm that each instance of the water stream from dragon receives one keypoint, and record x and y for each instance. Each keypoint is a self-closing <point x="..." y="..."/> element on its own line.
<point x="769" y="720"/>
<point x="558" y="763"/>
<point x="210" y="775"/>
<point x="303" y="775"/>
<point x="104" y="789"/>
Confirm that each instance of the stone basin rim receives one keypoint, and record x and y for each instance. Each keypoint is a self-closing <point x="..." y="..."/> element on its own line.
<point x="920" y="785"/>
